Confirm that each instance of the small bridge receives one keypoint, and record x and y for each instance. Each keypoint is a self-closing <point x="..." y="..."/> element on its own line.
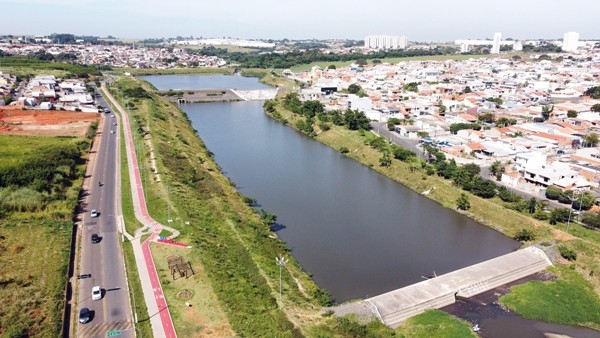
<point x="395" y="306"/>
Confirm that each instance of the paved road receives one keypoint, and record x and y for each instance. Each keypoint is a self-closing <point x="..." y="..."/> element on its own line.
<point x="162" y="325"/>
<point x="102" y="264"/>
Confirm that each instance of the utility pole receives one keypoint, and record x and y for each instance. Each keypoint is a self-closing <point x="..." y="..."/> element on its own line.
<point x="281" y="262"/>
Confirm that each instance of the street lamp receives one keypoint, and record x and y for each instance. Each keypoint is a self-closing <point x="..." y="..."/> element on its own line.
<point x="280" y="261"/>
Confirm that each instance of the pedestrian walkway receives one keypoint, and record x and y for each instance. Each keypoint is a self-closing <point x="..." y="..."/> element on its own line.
<point x="158" y="310"/>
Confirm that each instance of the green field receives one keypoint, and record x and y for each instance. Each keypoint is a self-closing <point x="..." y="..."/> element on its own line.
<point x="170" y="71"/>
<point x="40" y="178"/>
<point x="33" y="265"/>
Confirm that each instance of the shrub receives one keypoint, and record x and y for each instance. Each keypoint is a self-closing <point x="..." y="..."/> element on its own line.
<point x="567" y="253"/>
<point x="344" y="150"/>
<point x="524" y="235"/>
<point x="553" y="192"/>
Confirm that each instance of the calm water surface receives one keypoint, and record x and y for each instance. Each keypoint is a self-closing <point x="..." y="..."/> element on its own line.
<point x="359" y="233"/>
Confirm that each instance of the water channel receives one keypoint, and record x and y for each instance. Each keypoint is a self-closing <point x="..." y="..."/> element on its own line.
<point x="357" y="232"/>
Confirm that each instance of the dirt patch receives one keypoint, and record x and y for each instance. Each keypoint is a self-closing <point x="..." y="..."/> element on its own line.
<point x="562" y="236"/>
<point x="185" y="294"/>
<point x="45" y="122"/>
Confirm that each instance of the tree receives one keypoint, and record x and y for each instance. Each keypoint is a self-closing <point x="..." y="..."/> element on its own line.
<point x="411" y="87"/>
<point x="595" y="108"/>
<point x="516" y="58"/>
<point x="486" y="117"/>
<point x="591" y="139"/>
<point x="443" y="108"/>
<point x="467" y="90"/>
<point x="311" y="108"/>
<point x="532" y="205"/>
<point x="591" y="218"/>
<point x="385" y="160"/>
<point x="483" y="188"/>
<point x="546" y="110"/>
<point x="269" y="106"/>
<point x="571" y="113"/>
<point x="354" y="88"/>
<point x="331" y="67"/>
<point x="361" y="62"/>
<point x="594" y="92"/>
<point x="584" y="201"/>
<point x="496" y="168"/>
<point x="553" y="192"/>
<point x="462" y="203"/>
<point x="393" y="121"/>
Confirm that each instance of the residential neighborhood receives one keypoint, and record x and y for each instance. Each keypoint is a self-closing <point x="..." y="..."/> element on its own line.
<point x="530" y="113"/>
<point x="117" y="55"/>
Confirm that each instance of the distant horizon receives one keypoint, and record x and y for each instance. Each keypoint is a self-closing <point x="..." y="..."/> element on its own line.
<point x="189" y="37"/>
<point x="425" y="20"/>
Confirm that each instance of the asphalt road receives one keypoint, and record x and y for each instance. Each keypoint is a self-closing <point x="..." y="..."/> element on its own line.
<point x="102" y="264"/>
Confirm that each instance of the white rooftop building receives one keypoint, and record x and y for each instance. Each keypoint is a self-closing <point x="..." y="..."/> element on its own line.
<point x="570" y="42"/>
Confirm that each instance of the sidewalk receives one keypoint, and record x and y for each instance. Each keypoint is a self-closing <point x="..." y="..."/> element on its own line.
<point x="162" y="325"/>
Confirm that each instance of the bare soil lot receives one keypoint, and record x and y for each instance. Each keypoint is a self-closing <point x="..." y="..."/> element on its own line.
<point x="45" y="122"/>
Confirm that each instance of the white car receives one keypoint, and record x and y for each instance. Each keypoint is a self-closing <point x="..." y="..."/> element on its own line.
<point x="94" y="213"/>
<point x="96" y="293"/>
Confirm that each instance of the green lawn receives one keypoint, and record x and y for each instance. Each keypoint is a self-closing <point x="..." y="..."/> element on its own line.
<point x="16" y="150"/>
<point x="568" y="300"/>
<point x="434" y="323"/>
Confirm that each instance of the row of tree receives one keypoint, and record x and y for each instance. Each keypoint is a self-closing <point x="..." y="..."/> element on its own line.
<point x="298" y="57"/>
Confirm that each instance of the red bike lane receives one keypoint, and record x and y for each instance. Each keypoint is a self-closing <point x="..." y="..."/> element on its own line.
<point x="163" y="309"/>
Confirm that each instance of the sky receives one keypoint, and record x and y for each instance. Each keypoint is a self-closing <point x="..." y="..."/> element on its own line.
<point x="420" y="20"/>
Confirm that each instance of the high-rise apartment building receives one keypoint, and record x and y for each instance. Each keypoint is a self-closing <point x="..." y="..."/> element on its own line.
<point x="570" y="41"/>
<point x="385" y="42"/>
<point x="496" y="43"/>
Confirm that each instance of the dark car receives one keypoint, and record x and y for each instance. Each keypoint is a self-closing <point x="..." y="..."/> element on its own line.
<point x="84" y="315"/>
<point x="95" y="238"/>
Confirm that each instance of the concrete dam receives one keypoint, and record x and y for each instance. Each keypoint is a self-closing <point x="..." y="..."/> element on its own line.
<point x="393" y="307"/>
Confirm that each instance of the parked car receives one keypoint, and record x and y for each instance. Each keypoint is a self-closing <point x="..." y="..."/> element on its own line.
<point x="84" y="315"/>
<point x="95" y="238"/>
<point x="94" y="212"/>
<point x="96" y="293"/>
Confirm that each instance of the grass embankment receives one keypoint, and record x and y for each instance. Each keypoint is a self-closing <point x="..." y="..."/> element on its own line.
<point x="40" y="179"/>
<point x="568" y="300"/>
<point x="490" y="212"/>
<point x="229" y="240"/>
<point x="339" y="64"/>
<point x="271" y="78"/>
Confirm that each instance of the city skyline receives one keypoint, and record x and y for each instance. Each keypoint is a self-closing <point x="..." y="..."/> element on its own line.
<point x="427" y="20"/>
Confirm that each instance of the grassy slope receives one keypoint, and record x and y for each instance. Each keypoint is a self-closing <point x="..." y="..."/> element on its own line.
<point x="220" y="228"/>
<point x="434" y="323"/>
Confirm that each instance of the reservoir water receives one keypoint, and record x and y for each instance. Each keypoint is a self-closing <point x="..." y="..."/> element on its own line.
<point x="357" y="232"/>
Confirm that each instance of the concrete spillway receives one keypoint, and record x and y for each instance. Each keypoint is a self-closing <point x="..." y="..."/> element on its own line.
<point x="395" y="306"/>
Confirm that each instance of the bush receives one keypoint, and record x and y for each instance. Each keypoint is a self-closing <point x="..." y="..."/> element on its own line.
<point x="591" y="218"/>
<point x="524" y="235"/>
<point x="567" y="253"/>
<point x="344" y="150"/>
<point x="553" y="192"/>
